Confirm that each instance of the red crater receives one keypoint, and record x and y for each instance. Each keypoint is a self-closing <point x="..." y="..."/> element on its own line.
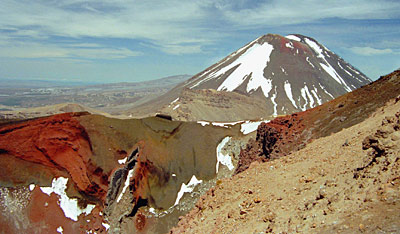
<point x="58" y="142"/>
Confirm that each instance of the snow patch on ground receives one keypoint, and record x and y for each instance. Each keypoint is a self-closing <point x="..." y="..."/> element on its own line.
<point x="315" y="93"/>
<point x="323" y="88"/>
<point x="127" y="181"/>
<point x="248" y="126"/>
<point x="349" y="73"/>
<point x="223" y="159"/>
<point x="293" y="37"/>
<point x="309" y="96"/>
<point x="225" y="124"/>
<point x="176" y="107"/>
<point x="283" y="70"/>
<point x="177" y="99"/>
<point x="106" y="226"/>
<point x="275" y="104"/>
<point x="354" y="70"/>
<point x="187" y="188"/>
<point x="69" y="206"/>
<point x="203" y="123"/>
<point x="60" y="230"/>
<point x="289" y="45"/>
<point x="304" y="95"/>
<point x="288" y="91"/>
<point x="122" y="161"/>
<point x="327" y="66"/>
<point x="32" y="187"/>
<point x="332" y="72"/>
<point x="308" y="60"/>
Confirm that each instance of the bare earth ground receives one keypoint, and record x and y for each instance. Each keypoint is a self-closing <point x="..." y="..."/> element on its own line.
<point x="333" y="185"/>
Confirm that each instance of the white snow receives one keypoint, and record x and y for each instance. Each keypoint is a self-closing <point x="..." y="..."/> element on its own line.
<point x="275" y="104"/>
<point x="289" y="45"/>
<point x="122" y="161"/>
<point x="219" y="124"/>
<point x="225" y="124"/>
<point x="128" y="179"/>
<point x="173" y="175"/>
<point x="309" y="96"/>
<point x="304" y="95"/>
<point x="223" y="159"/>
<point x="106" y="226"/>
<point x="323" y="88"/>
<point x="315" y="93"/>
<point x="187" y="188"/>
<point x="349" y="73"/>
<point x="176" y="107"/>
<point x="248" y="126"/>
<point x="312" y="65"/>
<point x="212" y="75"/>
<point x="283" y="70"/>
<point x="327" y="67"/>
<point x="177" y="99"/>
<point x="60" y="230"/>
<point x="293" y="37"/>
<point x="331" y="71"/>
<point x="344" y="69"/>
<point x="203" y="123"/>
<point x="353" y="70"/>
<point x="251" y="63"/>
<point x="69" y="206"/>
<point x="288" y="91"/>
<point x="315" y="47"/>
<point x="32" y="187"/>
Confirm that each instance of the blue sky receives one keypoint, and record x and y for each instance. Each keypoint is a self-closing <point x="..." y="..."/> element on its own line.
<point x="115" y="40"/>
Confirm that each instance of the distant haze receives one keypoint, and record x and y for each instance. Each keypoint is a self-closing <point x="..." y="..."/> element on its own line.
<point x="113" y="41"/>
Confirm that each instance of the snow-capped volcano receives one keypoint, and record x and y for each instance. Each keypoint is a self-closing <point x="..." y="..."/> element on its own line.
<point x="291" y="73"/>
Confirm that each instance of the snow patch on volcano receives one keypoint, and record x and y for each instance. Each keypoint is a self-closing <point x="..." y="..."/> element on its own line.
<point x="288" y="91"/>
<point x="224" y="159"/>
<point x="69" y="206"/>
<point x="250" y="64"/>
<point x="187" y="188"/>
<point x="293" y="37"/>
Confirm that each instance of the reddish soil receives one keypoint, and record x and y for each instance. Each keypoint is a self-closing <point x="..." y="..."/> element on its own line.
<point x="58" y="142"/>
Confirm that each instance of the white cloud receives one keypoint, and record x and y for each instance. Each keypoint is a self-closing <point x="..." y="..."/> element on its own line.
<point x="175" y="27"/>
<point x="369" y="51"/>
<point x="285" y="12"/>
<point x="80" y="51"/>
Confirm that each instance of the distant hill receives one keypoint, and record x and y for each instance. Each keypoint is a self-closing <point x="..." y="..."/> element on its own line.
<point x="109" y="98"/>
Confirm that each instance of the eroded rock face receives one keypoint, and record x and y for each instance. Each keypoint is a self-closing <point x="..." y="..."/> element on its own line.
<point x="273" y="140"/>
<point x="60" y="143"/>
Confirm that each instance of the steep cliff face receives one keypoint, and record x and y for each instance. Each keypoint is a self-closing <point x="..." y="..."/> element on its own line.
<point x="79" y="172"/>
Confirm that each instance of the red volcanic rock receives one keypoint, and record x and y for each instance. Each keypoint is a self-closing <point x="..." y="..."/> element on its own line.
<point x="272" y="140"/>
<point x="57" y="142"/>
